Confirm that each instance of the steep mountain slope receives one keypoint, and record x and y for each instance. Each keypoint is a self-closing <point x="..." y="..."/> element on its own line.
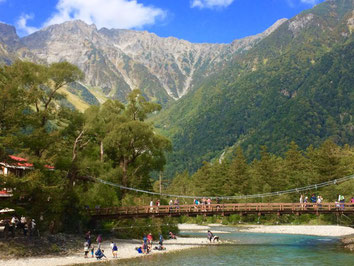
<point x="117" y="61"/>
<point x="296" y="84"/>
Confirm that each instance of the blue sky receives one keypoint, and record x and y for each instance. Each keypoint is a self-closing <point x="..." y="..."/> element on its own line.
<point x="216" y="21"/>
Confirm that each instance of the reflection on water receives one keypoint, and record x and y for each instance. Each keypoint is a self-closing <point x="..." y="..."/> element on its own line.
<point x="255" y="249"/>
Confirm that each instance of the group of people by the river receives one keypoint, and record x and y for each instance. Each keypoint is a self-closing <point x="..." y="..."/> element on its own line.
<point x="26" y="225"/>
<point x="147" y="242"/>
<point x="145" y="248"/>
<point x="98" y="253"/>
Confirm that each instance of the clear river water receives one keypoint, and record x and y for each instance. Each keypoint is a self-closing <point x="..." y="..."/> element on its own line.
<point x="255" y="249"/>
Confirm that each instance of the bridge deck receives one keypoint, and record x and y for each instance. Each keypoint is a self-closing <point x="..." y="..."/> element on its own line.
<point x="220" y="209"/>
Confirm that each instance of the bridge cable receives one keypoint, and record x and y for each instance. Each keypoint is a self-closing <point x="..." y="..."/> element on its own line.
<point x="269" y="194"/>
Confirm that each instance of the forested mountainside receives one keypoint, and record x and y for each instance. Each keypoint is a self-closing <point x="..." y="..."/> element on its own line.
<point x="118" y="61"/>
<point x="296" y="84"/>
<point x="291" y="82"/>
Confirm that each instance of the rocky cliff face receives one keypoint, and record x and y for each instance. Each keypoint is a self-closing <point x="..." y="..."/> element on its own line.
<point x="117" y="61"/>
<point x="8" y="35"/>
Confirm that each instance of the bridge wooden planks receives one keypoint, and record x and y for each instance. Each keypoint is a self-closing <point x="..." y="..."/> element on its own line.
<point x="219" y="209"/>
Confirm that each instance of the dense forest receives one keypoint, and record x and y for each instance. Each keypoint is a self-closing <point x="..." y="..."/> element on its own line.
<point x="295" y="85"/>
<point x="110" y="141"/>
<point x="234" y="176"/>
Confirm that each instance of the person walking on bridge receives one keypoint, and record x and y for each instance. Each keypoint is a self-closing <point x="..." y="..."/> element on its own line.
<point x="151" y="206"/>
<point x="170" y="205"/>
<point x="302" y="201"/>
<point x="177" y="204"/>
<point x="209" y="202"/>
<point x="341" y="200"/>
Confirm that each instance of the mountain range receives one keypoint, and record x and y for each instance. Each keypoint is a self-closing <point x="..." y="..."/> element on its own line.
<point x="293" y="82"/>
<point x="297" y="84"/>
<point x="117" y="61"/>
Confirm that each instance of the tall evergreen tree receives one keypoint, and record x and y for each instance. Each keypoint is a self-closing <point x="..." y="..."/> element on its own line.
<point x="237" y="181"/>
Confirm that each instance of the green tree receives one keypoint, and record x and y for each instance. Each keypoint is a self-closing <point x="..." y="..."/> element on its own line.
<point x="296" y="168"/>
<point x="237" y="180"/>
<point x="266" y="173"/>
<point x="181" y="184"/>
<point x="327" y="162"/>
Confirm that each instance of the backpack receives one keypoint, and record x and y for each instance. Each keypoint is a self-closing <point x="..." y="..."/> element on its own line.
<point x="98" y="252"/>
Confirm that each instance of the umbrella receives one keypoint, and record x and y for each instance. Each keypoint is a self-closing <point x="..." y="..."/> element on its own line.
<point x="6" y="210"/>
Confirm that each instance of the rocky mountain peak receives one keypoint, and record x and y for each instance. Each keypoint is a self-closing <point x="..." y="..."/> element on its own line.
<point x="8" y="35"/>
<point x="116" y="61"/>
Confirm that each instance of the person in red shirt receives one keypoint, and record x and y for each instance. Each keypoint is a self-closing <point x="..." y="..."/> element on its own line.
<point x="149" y="237"/>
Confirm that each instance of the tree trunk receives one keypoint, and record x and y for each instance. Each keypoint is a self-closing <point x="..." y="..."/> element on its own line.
<point x="101" y="151"/>
<point x="124" y="166"/>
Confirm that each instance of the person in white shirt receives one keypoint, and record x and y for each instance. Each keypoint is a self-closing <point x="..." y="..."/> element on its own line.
<point x="151" y="206"/>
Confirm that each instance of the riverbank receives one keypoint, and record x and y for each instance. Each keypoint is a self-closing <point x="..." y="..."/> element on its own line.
<point x="126" y="250"/>
<point x="196" y="228"/>
<point x="315" y="230"/>
<point x="348" y="242"/>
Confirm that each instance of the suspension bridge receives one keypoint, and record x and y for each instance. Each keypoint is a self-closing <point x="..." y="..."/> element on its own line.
<point x="227" y="208"/>
<point x="221" y="209"/>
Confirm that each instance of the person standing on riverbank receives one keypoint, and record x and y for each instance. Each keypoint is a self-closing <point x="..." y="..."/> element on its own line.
<point x="99" y="241"/>
<point x="88" y="238"/>
<point x="92" y="251"/>
<point x="114" y="249"/>
<point x="161" y="240"/>
<point x="23" y="222"/>
<point x="210" y="235"/>
<point x="86" y="249"/>
<point x="149" y="238"/>
<point x="145" y="245"/>
<point x="13" y="223"/>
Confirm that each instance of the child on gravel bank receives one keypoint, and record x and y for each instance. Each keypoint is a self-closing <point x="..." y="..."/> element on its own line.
<point x="92" y="251"/>
<point x="86" y="249"/>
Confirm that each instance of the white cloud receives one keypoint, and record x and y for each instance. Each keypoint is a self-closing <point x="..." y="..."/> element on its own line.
<point x="122" y="14"/>
<point x="310" y="2"/>
<point x="211" y="3"/>
<point x="21" y="25"/>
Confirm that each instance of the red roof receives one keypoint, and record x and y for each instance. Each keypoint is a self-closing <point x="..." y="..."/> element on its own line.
<point x="24" y="162"/>
<point x="19" y="159"/>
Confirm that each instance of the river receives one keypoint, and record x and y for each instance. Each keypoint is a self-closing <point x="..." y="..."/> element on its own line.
<point x="254" y="249"/>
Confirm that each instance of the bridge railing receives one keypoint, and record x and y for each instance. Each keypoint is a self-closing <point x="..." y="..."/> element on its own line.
<point x="223" y="208"/>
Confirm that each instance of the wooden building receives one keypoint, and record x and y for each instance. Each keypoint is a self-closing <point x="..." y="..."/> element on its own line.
<point x="16" y="166"/>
